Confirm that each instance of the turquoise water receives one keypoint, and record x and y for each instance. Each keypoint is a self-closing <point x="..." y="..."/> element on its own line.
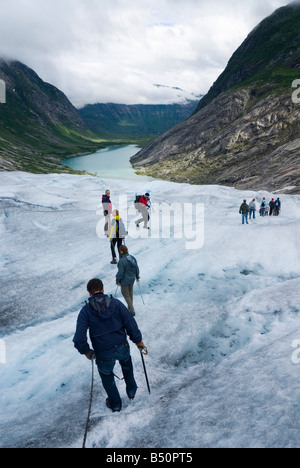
<point x="110" y="163"/>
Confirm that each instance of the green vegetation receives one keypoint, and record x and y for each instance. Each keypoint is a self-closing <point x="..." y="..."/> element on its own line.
<point x="269" y="58"/>
<point x="135" y="121"/>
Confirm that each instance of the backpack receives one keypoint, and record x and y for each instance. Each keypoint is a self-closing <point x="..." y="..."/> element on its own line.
<point x="137" y="201"/>
<point x="122" y="231"/>
<point x="137" y="198"/>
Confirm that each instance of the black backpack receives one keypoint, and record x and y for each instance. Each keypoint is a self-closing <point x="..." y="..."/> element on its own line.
<point x="137" y="198"/>
<point x="137" y="202"/>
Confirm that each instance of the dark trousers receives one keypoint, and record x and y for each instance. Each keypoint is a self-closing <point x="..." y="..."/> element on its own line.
<point x="106" y="362"/>
<point x="113" y="244"/>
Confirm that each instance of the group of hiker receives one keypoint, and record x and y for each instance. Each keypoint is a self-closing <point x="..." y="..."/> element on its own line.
<point x="265" y="209"/>
<point x="107" y="319"/>
<point x="114" y="227"/>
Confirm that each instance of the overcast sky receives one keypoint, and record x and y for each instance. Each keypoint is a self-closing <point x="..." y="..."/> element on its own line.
<point x="117" y="50"/>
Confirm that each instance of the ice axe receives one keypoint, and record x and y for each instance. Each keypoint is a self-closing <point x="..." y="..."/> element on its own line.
<point x="144" y="352"/>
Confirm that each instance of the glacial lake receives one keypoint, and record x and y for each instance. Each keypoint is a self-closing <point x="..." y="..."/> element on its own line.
<point x="109" y="163"/>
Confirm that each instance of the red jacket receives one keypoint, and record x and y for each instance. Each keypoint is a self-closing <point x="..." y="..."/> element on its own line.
<point x="107" y="205"/>
<point x="144" y="200"/>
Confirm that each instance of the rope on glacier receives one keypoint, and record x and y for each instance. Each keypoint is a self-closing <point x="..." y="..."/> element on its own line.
<point x="90" y="406"/>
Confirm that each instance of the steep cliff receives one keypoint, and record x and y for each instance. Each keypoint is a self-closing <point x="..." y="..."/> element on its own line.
<point x="246" y="131"/>
<point x="38" y="124"/>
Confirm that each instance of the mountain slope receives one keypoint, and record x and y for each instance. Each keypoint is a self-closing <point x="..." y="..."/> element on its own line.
<point x="38" y="124"/>
<point x="269" y="54"/>
<point x="135" y="120"/>
<point x="246" y="131"/>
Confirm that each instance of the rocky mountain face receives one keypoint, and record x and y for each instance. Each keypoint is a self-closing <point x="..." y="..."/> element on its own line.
<point x="246" y="131"/>
<point x="38" y="124"/>
<point x="135" y="120"/>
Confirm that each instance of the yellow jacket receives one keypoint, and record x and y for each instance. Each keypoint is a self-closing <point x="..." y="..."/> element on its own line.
<point x="117" y="230"/>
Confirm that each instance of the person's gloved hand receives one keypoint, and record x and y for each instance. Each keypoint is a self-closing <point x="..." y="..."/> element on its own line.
<point x="142" y="348"/>
<point x="90" y="355"/>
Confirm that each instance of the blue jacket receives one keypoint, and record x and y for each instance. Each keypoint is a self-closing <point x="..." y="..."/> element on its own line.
<point x="108" y="321"/>
<point x="278" y="203"/>
<point x="128" y="270"/>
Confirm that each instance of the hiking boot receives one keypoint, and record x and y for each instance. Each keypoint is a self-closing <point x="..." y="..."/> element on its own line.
<point x="131" y="393"/>
<point x="114" y="261"/>
<point x="108" y="406"/>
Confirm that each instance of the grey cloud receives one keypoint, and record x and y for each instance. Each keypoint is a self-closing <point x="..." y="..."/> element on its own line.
<point x="103" y="50"/>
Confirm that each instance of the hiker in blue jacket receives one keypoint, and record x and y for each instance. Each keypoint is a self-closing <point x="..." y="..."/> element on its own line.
<point x="108" y="322"/>
<point x="277" y="207"/>
<point x="128" y="272"/>
<point x="263" y="207"/>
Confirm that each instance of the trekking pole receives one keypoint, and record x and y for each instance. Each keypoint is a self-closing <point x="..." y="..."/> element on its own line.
<point x="144" y="366"/>
<point x="90" y="406"/>
<point x="141" y="292"/>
